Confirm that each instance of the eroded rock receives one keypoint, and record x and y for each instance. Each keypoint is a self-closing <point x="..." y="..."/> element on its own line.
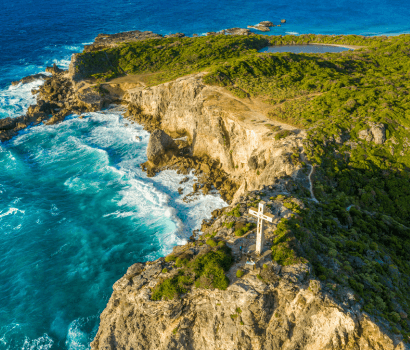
<point x="160" y="145"/>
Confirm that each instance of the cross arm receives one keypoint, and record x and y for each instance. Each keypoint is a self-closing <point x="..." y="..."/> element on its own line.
<point x="253" y="211"/>
<point x="268" y="217"/>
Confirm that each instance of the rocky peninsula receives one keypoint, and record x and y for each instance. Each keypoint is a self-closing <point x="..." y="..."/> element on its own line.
<point x="321" y="138"/>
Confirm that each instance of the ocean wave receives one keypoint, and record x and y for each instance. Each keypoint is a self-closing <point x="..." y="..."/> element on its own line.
<point x="11" y="211"/>
<point x="88" y="171"/>
<point x="78" y="338"/>
<point x="15" y="100"/>
<point x="42" y="343"/>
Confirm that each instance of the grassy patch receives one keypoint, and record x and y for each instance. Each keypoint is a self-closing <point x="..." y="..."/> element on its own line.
<point x="243" y="230"/>
<point x="239" y="273"/>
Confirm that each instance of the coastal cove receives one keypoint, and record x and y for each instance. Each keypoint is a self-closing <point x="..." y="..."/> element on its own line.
<point x="77" y="210"/>
<point x="96" y="226"/>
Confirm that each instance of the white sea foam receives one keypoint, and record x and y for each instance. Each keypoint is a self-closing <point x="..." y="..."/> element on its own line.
<point x="292" y="33"/>
<point x="77" y="338"/>
<point x="15" y="100"/>
<point x="10" y="211"/>
<point x="91" y="146"/>
<point x="41" y="343"/>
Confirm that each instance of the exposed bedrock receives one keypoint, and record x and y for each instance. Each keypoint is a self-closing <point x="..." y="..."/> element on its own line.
<point x="160" y="146"/>
<point x="283" y="310"/>
<point x="233" y="131"/>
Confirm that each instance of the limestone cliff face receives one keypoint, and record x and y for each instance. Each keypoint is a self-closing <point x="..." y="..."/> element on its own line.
<point x="233" y="131"/>
<point x="283" y="311"/>
<point x="272" y="307"/>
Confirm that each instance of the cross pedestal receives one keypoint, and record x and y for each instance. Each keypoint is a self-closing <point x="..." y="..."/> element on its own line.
<point x="261" y="215"/>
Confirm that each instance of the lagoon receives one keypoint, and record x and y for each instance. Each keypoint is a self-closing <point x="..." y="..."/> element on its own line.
<point x="308" y="48"/>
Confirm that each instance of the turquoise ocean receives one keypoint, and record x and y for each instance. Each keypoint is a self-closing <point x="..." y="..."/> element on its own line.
<point x="75" y="208"/>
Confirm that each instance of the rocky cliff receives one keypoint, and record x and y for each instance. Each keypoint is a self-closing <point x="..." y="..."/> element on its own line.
<point x="357" y="300"/>
<point x="270" y="307"/>
<point x="287" y="312"/>
<point x="231" y="130"/>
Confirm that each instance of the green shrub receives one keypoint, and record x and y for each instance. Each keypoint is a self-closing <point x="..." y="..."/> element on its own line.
<point x="171" y="288"/>
<point x="395" y="317"/>
<point x="282" y="134"/>
<point x="170" y="258"/>
<point x="249" y="226"/>
<point x="211" y="242"/>
<point x="234" y="212"/>
<point x="205" y="271"/>
<point x="229" y="224"/>
<point x="181" y="262"/>
<point x="238" y="310"/>
<point x="239" y="273"/>
<point x="165" y="270"/>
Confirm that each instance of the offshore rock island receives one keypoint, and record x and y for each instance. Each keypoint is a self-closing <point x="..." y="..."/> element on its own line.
<point x="321" y="138"/>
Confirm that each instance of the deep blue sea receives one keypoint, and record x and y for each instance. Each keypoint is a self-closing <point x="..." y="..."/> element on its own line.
<point x="75" y="208"/>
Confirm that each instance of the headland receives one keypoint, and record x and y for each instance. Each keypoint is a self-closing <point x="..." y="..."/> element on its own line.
<point x="335" y="273"/>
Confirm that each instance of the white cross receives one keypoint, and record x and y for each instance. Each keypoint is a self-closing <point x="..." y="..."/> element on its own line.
<point x="261" y="215"/>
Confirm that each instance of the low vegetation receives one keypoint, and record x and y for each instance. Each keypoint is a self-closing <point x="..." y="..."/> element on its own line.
<point x="203" y="271"/>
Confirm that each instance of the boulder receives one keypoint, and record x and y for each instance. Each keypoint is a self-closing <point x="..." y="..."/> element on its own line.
<point x="365" y="135"/>
<point x="379" y="133"/>
<point x="266" y="24"/>
<point x="260" y="28"/>
<point x="238" y="31"/>
<point x="283" y="21"/>
<point x="160" y="145"/>
<point x="376" y="133"/>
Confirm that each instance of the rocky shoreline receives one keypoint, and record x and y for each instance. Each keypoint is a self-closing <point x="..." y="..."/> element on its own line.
<point x="232" y="148"/>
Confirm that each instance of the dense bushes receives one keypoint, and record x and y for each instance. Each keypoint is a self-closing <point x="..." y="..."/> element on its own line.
<point x="204" y="271"/>
<point x="168" y="58"/>
<point x="243" y="230"/>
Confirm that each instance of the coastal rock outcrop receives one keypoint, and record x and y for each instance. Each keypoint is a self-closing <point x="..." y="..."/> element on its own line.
<point x="219" y="124"/>
<point x="54" y="69"/>
<point x="268" y="308"/>
<point x="160" y="146"/>
<point x="29" y="79"/>
<point x="260" y="27"/>
<point x="266" y="24"/>
<point x="103" y="41"/>
<point x="238" y="31"/>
